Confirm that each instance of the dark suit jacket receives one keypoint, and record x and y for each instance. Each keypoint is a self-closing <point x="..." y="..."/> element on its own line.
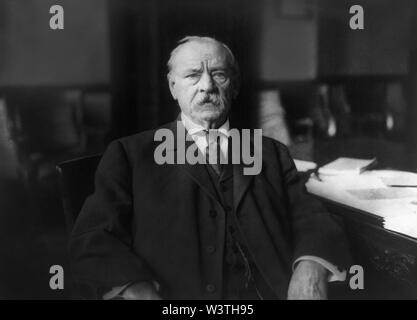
<point x="141" y="221"/>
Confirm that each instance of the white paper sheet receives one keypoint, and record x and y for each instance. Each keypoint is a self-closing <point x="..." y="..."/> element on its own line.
<point x="342" y="166"/>
<point x="303" y="165"/>
<point x="406" y="224"/>
<point x="343" y="189"/>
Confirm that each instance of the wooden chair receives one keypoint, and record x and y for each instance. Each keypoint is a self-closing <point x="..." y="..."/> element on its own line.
<point x="76" y="179"/>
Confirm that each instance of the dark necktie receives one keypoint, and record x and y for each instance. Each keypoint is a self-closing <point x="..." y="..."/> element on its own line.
<point x="213" y="152"/>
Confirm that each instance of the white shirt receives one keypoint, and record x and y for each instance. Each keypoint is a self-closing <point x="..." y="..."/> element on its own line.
<point x="197" y="132"/>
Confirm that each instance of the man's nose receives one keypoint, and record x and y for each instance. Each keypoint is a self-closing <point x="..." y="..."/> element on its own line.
<point x="206" y="83"/>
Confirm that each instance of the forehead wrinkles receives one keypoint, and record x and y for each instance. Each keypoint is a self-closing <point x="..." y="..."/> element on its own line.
<point x="199" y="55"/>
<point x="206" y="63"/>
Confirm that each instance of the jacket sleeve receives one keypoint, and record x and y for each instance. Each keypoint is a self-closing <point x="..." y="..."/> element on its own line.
<point x="101" y="242"/>
<point x="315" y="231"/>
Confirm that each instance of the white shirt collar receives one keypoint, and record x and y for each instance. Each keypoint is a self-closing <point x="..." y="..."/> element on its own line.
<point x="193" y="128"/>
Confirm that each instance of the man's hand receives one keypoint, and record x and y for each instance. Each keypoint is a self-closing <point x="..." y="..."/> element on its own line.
<point x="308" y="282"/>
<point x="141" y="291"/>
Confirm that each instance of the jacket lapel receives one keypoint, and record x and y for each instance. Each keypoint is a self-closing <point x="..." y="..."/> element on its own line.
<point x="198" y="172"/>
<point x="241" y="182"/>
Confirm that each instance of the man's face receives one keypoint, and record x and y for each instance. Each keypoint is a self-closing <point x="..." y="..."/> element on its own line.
<point x="200" y="80"/>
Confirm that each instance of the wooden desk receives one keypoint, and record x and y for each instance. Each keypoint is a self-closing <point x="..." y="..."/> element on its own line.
<point x="389" y="258"/>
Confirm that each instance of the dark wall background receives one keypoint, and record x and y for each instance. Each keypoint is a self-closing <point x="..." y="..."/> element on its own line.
<point x="31" y="54"/>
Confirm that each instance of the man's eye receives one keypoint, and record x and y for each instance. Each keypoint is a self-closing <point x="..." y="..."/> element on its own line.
<point x="192" y="75"/>
<point x="220" y="77"/>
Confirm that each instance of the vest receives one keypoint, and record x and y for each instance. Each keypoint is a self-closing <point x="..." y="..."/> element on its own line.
<point x="241" y="277"/>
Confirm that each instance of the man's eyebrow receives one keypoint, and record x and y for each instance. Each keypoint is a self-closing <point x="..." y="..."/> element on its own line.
<point x="193" y="69"/>
<point x="220" y="69"/>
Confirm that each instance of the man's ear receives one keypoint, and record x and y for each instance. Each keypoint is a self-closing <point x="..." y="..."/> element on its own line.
<point x="171" y="84"/>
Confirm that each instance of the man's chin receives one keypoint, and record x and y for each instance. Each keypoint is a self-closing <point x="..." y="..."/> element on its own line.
<point x="210" y="115"/>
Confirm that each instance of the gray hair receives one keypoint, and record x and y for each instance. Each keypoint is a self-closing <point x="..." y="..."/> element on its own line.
<point x="230" y="57"/>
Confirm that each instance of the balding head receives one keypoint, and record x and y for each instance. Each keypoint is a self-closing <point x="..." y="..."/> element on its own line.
<point x="190" y="41"/>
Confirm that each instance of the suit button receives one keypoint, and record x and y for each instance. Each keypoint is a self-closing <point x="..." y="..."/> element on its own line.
<point x="228" y="208"/>
<point x="211" y="249"/>
<point x="213" y="213"/>
<point x="210" y="288"/>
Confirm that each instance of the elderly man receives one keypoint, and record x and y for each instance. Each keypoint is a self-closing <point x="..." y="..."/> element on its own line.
<point x="204" y="230"/>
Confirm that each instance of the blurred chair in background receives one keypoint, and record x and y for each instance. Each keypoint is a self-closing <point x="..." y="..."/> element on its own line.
<point x="340" y="108"/>
<point x="46" y="127"/>
<point x="323" y="121"/>
<point x="308" y="111"/>
<point x="369" y="116"/>
<point x="295" y="115"/>
<point x="377" y="108"/>
<point x="8" y="164"/>
<point x="76" y="179"/>
<point x="50" y="126"/>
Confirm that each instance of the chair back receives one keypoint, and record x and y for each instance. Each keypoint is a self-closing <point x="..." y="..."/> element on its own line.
<point x="77" y="183"/>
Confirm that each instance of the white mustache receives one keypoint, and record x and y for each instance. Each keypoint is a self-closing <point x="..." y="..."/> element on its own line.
<point x="212" y="98"/>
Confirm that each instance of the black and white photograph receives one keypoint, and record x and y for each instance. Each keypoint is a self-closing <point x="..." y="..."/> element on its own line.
<point x="208" y="154"/>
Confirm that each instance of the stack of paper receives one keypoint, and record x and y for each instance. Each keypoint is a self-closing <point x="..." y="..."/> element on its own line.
<point x="343" y="166"/>
<point x="394" y="178"/>
<point x="405" y="224"/>
<point x="303" y="166"/>
<point x="387" y="194"/>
